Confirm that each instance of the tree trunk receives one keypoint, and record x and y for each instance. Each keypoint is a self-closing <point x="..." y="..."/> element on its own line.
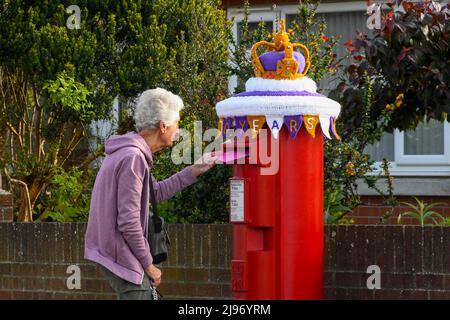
<point x="25" y="214"/>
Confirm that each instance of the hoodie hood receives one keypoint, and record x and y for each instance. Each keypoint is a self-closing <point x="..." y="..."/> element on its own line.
<point x="128" y="140"/>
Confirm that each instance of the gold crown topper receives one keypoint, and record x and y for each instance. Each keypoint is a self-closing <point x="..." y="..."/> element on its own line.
<point x="287" y="68"/>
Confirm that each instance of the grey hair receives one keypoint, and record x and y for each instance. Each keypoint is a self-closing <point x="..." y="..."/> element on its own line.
<point x="157" y="105"/>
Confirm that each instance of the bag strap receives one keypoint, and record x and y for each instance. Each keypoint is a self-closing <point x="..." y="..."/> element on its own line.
<point x="153" y="199"/>
<point x="155" y="218"/>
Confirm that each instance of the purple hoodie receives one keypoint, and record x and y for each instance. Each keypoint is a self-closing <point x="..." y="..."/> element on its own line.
<point x="116" y="235"/>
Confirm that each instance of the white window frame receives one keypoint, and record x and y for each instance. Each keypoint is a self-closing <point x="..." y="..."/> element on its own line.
<point x="403" y="165"/>
<point x="418" y="165"/>
<point x="403" y="159"/>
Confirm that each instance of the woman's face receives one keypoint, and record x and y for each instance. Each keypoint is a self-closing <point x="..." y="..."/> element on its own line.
<point x="169" y="134"/>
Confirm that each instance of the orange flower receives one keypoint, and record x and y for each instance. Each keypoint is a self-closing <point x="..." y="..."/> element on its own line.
<point x="399" y="100"/>
<point x="350" y="169"/>
<point x="349" y="45"/>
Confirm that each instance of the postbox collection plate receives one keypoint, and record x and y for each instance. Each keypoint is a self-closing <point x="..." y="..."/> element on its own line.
<point x="237" y="200"/>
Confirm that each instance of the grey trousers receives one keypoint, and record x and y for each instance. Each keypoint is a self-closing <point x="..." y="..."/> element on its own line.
<point x="126" y="290"/>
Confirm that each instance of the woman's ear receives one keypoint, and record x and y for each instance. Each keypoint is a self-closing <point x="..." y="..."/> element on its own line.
<point x="162" y="127"/>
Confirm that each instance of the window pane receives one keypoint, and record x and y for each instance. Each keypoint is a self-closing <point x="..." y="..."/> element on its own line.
<point x="382" y="149"/>
<point x="343" y="26"/>
<point x="252" y="26"/>
<point x="427" y="139"/>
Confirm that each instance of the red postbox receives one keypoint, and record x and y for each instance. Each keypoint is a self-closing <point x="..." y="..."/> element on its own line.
<point x="277" y="215"/>
<point x="278" y="223"/>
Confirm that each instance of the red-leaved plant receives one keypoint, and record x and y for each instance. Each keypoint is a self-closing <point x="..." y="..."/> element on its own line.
<point x="407" y="61"/>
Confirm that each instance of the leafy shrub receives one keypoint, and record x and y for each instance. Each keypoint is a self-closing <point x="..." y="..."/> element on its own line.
<point x="67" y="198"/>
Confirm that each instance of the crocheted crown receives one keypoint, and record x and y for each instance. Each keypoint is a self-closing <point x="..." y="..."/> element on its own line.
<point x="281" y="61"/>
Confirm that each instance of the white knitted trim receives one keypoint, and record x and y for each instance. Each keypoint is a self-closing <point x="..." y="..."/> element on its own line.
<point x="276" y="105"/>
<point x="260" y="84"/>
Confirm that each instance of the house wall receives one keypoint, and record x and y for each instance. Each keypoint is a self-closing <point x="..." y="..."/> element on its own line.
<point x="374" y="207"/>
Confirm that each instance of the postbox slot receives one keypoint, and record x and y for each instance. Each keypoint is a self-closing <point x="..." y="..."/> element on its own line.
<point x="242" y="152"/>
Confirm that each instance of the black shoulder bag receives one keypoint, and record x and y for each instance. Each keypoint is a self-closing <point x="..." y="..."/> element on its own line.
<point x="158" y="237"/>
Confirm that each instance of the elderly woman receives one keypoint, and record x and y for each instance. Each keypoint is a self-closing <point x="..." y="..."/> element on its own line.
<point x="115" y="236"/>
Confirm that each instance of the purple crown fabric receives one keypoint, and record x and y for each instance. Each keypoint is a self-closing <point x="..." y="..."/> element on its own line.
<point x="278" y="93"/>
<point x="269" y="60"/>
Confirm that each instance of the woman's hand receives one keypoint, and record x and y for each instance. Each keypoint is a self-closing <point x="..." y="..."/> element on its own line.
<point x="155" y="275"/>
<point x="206" y="162"/>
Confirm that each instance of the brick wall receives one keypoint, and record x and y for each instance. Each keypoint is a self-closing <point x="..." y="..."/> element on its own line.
<point x="199" y="263"/>
<point x="6" y="206"/>
<point x="373" y="209"/>
<point x="414" y="262"/>
<point x="34" y="258"/>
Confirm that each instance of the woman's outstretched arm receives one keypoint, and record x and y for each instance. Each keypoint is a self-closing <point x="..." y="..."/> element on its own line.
<point x="167" y="188"/>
